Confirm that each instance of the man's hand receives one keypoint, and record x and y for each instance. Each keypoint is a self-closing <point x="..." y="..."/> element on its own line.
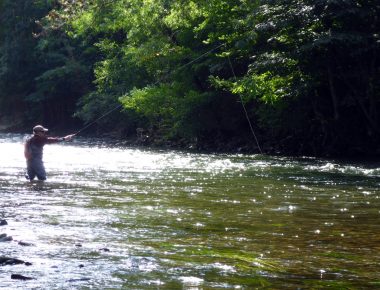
<point x="68" y="137"/>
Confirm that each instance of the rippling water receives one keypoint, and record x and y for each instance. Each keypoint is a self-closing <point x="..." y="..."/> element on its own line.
<point x="124" y="218"/>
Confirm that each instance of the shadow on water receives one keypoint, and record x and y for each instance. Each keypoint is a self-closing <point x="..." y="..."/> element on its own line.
<point x="126" y="218"/>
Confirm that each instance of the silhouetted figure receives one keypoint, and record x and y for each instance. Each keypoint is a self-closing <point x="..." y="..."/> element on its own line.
<point x="33" y="151"/>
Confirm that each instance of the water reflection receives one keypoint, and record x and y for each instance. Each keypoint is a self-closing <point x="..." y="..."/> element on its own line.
<point x="133" y="218"/>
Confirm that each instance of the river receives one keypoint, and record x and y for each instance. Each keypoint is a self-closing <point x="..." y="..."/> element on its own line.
<point x="125" y="218"/>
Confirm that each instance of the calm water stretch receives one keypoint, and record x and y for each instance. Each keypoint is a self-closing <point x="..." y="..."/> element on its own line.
<point x="124" y="218"/>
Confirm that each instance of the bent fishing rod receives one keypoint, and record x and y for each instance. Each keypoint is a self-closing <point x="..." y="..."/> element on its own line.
<point x="101" y="117"/>
<point x="120" y="105"/>
<point x="181" y="67"/>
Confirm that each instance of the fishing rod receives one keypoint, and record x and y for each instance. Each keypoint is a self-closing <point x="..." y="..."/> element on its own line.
<point x="120" y="105"/>
<point x="181" y="67"/>
<point x="101" y="117"/>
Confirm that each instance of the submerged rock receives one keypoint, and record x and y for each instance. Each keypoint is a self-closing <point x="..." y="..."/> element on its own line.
<point x="20" y="277"/>
<point x="79" y="280"/>
<point x="5" y="238"/>
<point x="10" y="261"/>
<point x="25" y="244"/>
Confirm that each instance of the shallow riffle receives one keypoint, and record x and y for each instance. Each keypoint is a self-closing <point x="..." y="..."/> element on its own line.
<point x="113" y="218"/>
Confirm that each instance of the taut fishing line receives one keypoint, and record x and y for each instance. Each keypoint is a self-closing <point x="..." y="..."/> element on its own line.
<point x="181" y="67"/>
<point x="120" y="105"/>
<point x="244" y="108"/>
<point x="101" y="117"/>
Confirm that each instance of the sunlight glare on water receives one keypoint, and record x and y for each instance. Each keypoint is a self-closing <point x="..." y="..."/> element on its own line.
<point x="129" y="218"/>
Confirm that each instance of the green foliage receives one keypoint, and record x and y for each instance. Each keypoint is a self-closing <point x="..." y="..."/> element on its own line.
<point x="42" y="74"/>
<point x="305" y="70"/>
<point x="318" y="56"/>
<point x="167" y="106"/>
<point x="266" y="87"/>
<point x="18" y="65"/>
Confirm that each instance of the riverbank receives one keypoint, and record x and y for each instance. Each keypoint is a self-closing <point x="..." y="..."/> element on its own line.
<point x="244" y="143"/>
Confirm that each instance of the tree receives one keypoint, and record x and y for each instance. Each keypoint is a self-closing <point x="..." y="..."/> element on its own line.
<point x="314" y="70"/>
<point x="18" y="64"/>
<point x="66" y="65"/>
<point x="306" y="71"/>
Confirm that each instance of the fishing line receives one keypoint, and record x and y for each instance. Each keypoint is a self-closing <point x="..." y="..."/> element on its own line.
<point x="244" y="108"/>
<point x="181" y="67"/>
<point x="101" y="117"/>
<point x="120" y="105"/>
<point x="199" y="57"/>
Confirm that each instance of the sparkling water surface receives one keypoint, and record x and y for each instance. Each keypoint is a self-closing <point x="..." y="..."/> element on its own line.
<point x="125" y="218"/>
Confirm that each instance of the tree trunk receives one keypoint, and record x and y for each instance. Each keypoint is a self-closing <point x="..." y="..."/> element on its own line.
<point x="333" y="93"/>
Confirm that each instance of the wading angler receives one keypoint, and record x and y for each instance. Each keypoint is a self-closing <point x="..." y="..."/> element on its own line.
<point x="33" y="151"/>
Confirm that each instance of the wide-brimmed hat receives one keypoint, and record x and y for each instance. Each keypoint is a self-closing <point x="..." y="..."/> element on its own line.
<point x="40" y="128"/>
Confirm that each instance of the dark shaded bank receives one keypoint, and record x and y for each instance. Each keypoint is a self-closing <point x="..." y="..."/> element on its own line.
<point x="244" y="143"/>
<point x="247" y="144"/>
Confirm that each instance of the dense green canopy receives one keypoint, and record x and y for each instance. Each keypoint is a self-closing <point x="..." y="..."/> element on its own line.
<point x="307" y="72"/>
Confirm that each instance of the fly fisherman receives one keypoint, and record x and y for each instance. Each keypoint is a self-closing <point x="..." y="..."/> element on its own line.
<point x="33" y="151"/>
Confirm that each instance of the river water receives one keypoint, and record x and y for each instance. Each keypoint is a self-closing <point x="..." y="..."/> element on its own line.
<point x="126" y="218"/>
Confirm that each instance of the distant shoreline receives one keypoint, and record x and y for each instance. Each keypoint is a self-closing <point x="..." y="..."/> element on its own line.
<point x="215" y="148"/>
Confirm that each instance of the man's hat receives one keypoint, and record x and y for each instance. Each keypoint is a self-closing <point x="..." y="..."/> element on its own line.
<point x="39" y="128"/>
